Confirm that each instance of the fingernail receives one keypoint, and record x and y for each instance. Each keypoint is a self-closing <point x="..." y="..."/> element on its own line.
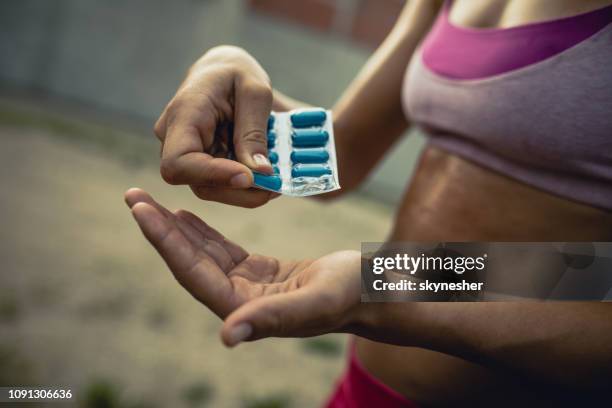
<point x="241" y="181"/>
<point x="261" y="160"/>
<point x="239" y="333"/>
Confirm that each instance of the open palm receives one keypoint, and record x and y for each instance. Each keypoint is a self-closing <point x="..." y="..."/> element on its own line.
<point x="258" y="296"/>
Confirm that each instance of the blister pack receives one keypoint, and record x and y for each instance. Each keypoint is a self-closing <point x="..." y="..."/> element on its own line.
<point x="302" y="152"/>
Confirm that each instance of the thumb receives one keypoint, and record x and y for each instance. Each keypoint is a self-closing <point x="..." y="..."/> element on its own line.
<point x="295" y="314"/>
<point x="251" y="112"/>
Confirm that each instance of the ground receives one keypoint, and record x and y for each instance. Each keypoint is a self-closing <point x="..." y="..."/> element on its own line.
<point x="85" y="302"/>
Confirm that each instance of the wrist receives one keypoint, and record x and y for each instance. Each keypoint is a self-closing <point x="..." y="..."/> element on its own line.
<point x="404" y="324"/>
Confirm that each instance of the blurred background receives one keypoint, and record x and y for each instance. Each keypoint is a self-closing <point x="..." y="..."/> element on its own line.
<point x="84" y="300"/>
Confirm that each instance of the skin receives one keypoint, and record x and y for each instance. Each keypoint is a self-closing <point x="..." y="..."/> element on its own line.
<point x="489" y="354"/>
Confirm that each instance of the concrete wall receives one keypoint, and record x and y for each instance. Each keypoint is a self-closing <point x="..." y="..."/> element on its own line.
<point x="129" y="56"/>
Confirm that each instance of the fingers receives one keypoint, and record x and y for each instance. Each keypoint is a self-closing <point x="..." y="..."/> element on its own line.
<point x="183" y="162"/>
<point x="252" y="109"/>
<point x="137" y="195"/>
<point x="298" y="313"/>
<point x="202" y="236"/>
<point x="165" y="237"/>
<point x="187" y="129"/>
<point x="236" y="252"/>
<point x="250" y="198"/>
<point x="177" y="242"/>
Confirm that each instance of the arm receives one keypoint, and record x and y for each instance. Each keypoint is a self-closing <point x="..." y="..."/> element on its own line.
<point x="368" y="117"/>
<point x="258" y="297"/>
<point x="567" y="343"/>
<point x="227" y="85"/>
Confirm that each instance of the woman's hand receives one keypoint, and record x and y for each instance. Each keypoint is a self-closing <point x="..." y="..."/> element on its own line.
<point x="257" y="296"/>
<point x="225" y="99"/>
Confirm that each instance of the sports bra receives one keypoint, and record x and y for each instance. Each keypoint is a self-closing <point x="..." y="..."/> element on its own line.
<point x="532" y="102"/>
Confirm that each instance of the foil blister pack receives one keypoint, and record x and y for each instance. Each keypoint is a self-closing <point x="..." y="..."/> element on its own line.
<point x="302" y="152"/>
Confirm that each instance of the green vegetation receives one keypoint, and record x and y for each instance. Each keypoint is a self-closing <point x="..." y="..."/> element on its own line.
<point x="198" y="394"/>
<point x="9" y="308"/>
<point x="15" y="369"/>
<point x="322" y="345"/>
<point x="269" y="401"/>
<point x="101" y="394"/>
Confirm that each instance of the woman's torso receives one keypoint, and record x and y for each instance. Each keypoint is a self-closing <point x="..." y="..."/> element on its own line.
<point x="451" y="198"/>
<point x="533" y="102"/>
<point x="488" y="207"/>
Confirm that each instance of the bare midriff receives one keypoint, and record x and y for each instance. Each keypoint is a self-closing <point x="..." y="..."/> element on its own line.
<point x="451" y="199"/>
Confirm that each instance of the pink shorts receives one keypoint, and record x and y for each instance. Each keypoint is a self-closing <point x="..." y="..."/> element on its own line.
<point x="359" y="389"/>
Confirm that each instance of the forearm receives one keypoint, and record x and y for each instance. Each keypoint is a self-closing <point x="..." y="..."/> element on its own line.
<point x="568" y="343"/>
<point x="369" y="116"/>
<point x="373" y="97"/>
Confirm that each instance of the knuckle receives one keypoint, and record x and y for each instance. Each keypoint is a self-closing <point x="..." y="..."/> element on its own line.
<point x="225" y="50"/>
<point x="181" y="213"/>
<point x="201" y="193"/>
<point x="213" y="182"/>
<point x="174" y="102"/>
<point x="254" y="136"/>
<point x="179" y="104"/>
<point x="260" y="92"/>
<point x="212" y="177"/>
<point x="169" y="171"/>
<point x="158" y="129"/>
<point x="192" y="108"/>
<point x="171" y="117"/>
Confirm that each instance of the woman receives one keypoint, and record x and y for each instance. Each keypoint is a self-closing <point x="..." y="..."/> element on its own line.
<point x="515" y="96"/>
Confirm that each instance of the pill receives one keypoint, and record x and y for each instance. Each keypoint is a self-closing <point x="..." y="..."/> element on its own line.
<point x="308" y="118"/>
<point x="309" y="137"/>
<point x="310" y="171"/>
<point x="271" y="182"/>
<point x="271" y="138"/>
<point x="271" y="120"/>
<point x="273" y="156"/>
<point x="276" y="169"/>
<point x="310" y="156"/>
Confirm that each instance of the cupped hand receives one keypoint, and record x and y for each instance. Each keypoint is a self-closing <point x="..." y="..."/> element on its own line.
<point x="257" y="296"/>
<point x="223" y="105"/>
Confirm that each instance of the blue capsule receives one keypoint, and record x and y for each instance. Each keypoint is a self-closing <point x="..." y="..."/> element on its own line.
<point x="310" y="171"/>
<point x="276" y="169"/>
<point x="308" y="118"/>
<point x="271" y="182"/>
<point x="310" y="156"/>
<point x="271" y="120"/>
<point x="273" y="157"/>
<point x="309" y="137"/>
<point x="271" y="138"/>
